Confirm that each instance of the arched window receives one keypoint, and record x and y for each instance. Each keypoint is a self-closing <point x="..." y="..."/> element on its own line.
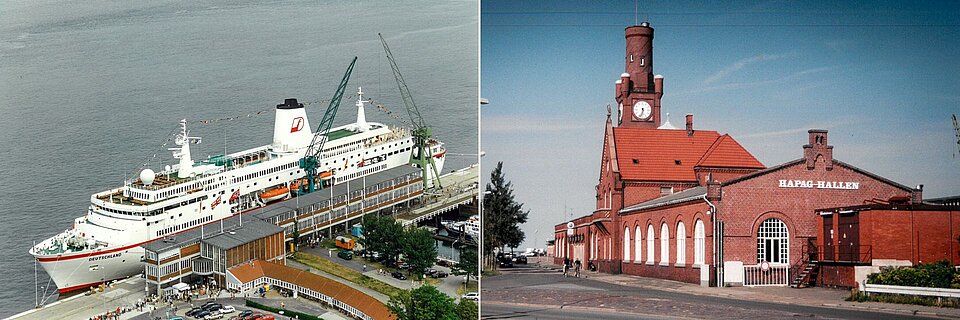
<point x="626" y="244"/>
<point x="593" y="246"/>
<point x="773" y="242"/>
<point x="664" y="244"/>
<point x="637" y="240"/>
<point x="681" y="244"/>
<point x="649" y="244"/>
<point x="698" y="243"/>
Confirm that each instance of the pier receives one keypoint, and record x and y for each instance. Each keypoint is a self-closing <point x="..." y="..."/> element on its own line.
<point x="460" y="187"/>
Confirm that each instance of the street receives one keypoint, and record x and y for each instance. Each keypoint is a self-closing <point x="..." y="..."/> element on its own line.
<point x="531" y="292"/>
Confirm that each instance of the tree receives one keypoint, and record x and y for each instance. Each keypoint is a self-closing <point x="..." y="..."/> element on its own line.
<point x="425" y="302"/>
<point x="502" y="215"/>
<point x="467" y="309"/>
<point x="419" y="249"/>
<point x="383" y="235"/>
<point x="468" y="263"/>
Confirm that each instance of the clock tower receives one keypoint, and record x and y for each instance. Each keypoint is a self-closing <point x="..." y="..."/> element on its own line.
<point x="638" y="89"/>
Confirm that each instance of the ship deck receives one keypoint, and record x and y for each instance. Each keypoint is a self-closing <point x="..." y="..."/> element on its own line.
<point x="342" y="133"/>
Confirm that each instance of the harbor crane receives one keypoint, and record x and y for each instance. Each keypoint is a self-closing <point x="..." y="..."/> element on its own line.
<point x="311" y="159"/>
<point x="956" y="130"/>
<point x="422" y="134"/>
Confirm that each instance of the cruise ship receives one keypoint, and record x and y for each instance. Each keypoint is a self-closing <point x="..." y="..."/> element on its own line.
<point x="104" y="243"/>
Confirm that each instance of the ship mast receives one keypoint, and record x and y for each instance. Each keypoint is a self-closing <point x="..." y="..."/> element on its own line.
<point x="182" y="151"/>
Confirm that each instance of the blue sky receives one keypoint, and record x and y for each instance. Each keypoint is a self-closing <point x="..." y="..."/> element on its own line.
<point x="883" y="77"/>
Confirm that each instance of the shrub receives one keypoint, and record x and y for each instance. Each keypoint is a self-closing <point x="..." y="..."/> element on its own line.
<point x="939" y="274"/>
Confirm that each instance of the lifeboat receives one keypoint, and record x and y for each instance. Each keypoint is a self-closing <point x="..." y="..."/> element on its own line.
<point x="274" y="194"/>
<point x="325" y="174"/>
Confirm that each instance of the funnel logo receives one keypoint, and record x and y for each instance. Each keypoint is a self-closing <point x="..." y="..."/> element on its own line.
<point x="297" y="124"/>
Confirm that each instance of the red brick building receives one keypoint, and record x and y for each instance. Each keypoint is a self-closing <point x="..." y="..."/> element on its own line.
<point x="855" y="241"/>
<point x="664" y="192"/>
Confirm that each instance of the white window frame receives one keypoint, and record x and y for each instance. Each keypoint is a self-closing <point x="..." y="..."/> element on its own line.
<point x="699" y="242"/>
<point x="664" y="244"/>
<point x="681" y="244"/>
<point x="650" y="257"/>
<point x="773" y="233"/>
<point x="637" y="242"/>
<point x="626" y="243"/>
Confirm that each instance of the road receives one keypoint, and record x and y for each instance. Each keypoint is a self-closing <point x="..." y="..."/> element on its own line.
<point x="528" y="292"/>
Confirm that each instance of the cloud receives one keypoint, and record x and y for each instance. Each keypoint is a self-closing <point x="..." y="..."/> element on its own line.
<point x="736" y="66"/>
<point x="517" y="124"/>
<point x="803" y="129"/>
<point x="753" y="84"/>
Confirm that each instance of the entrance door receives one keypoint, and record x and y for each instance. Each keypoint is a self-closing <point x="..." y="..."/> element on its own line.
<point x="848" y="236"/>
<point x="828" y="248"/>
<point x="578" y="253"/>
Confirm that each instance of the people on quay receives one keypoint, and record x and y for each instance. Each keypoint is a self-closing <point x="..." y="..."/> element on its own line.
<point x="576" y="267"/>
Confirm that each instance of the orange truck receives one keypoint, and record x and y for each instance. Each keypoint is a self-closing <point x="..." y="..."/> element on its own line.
<point x="345" y="243"/>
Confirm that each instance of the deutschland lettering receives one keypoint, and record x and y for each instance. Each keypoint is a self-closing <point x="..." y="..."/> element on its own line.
<point x="105" y="257"/>
<point x="840" y="185"/>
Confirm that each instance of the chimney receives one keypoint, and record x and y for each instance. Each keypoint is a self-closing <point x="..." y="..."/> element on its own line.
<point x="916" y="196"/>
<point x="658" y="85"/>
<point x="689" y="125"/>
<point x="713" y="189"/>
<point x="619" y="88"/>
<point x="624" y="83"/>
<point x="817" y="149"/>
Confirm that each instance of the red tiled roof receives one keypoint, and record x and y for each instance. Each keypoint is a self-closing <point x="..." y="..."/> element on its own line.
<point x="727" y="153"/>
<point x="658" y="151"/>
<point x="250" y="271"/>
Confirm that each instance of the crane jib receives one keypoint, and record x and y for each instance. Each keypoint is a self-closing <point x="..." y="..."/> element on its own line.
<point x="310" y="160"/>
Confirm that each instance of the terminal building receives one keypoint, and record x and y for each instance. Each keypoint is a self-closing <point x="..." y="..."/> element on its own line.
<point x="694" y="205"/>
<point x="210" y="250"/>
<point x="265" y="233"/>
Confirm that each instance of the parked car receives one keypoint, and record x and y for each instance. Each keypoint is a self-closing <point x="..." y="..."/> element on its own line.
<point x="228" y="309"/>
<point x="252" y="316"/>
<point x="213" y="307"/>
<point x="193" y="311"/>
<point x="245" y="313"/>
<point x="215" y="314"/>
<point x="398" y="275"/>
<point x="345" y="255"/>
<point x="430" y="272"/>
<point x="438" y="274"/>
<point x="402" y="265"/>
<point x="266" y="317"/>
<point x="176" y="318"/>
<point x="201" y="314"/>
<point x="471" y="296"/>
<point x="520" y="259"/>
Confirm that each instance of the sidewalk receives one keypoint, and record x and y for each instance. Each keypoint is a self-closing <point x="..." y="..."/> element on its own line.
<point x="815" y="296"/>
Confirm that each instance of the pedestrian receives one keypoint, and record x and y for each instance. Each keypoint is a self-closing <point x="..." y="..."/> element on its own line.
<point x="565" y="268"/>
<point x="364" y="268"/>
<point x="576" y="267"/>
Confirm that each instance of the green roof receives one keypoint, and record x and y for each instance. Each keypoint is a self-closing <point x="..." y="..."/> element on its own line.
<point x="340" y="134"/>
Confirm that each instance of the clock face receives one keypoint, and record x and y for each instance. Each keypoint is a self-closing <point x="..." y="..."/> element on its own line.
<point x="641" y="110"/>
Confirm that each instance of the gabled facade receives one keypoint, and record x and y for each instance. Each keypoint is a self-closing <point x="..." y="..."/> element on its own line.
<point x="695" y="205"/>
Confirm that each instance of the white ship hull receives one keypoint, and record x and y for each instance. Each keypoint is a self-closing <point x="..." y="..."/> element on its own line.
<point x="71" y="274"/>
<point x="104" y="244"/>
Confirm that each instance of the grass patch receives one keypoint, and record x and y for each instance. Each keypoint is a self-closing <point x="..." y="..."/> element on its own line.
<point x="345" y="273"/>
<point x="432" y="281"/>
<point x="905" y="299"/>
<point x="286" y="312"/>
<point x="472" y="287"/>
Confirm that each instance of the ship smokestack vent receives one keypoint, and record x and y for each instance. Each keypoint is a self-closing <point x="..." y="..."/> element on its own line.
<point x="290" y="103"/>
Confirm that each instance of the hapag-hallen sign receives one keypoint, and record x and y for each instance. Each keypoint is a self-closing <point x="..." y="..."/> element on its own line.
<point x="842" y="185"/>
